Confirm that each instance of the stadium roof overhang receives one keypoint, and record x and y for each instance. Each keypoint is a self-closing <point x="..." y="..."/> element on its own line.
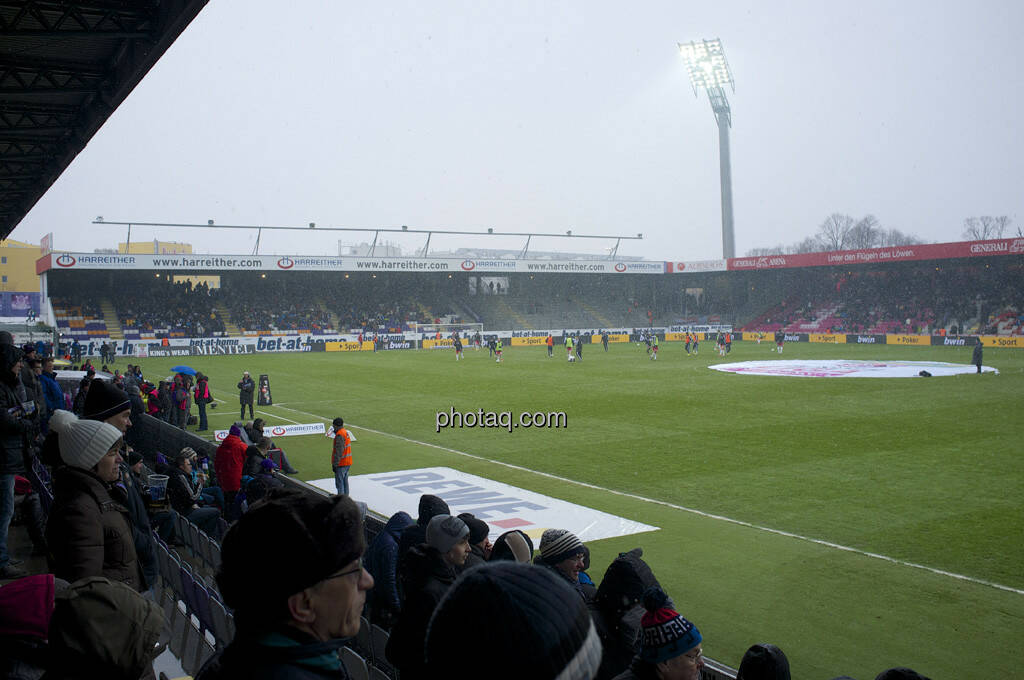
<point x="65" y="67"/>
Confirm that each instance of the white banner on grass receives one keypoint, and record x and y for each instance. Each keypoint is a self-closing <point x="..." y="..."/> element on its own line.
<point x="280" y="430"/>
<point x="847" y="368"/>
<point x="502" y="506"/>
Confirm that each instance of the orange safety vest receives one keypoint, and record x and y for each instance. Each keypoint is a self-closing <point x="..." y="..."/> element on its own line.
<point x="550" y="341"/>
<point x="341" y="455"/>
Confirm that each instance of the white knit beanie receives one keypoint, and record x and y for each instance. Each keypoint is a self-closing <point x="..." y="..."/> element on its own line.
<point x="83" y="443"/>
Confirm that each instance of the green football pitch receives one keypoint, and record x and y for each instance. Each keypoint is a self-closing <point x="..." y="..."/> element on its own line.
<point x="859" y="524"/>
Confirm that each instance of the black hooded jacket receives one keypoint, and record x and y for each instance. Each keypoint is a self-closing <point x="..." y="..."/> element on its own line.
<point x="14" y="423"/>
<point x="426" y="577"/>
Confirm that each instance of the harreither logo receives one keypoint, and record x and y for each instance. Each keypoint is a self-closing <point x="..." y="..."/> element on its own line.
<point x="286" y="263"/>
<point x="619" y="267"/>
<point x="66" y="260"/>
<point x="468" y="265"/>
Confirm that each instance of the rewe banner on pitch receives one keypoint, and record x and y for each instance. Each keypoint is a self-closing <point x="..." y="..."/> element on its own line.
<point x="280" y="430"/>
<point x="502" y="506"/>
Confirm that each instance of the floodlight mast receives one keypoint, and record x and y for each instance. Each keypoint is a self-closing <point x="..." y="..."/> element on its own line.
<point x="709" y="71"/>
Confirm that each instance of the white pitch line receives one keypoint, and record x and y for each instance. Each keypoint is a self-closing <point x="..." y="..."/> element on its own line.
<point x="683" y="508"/>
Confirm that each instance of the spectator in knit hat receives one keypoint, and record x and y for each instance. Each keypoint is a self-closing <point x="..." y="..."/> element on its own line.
<point x="89" y="531"/>
<point x="670" y="646"/>
<point x="111" y="405"/>
<point x="512" y="621"/>
<point x="479" y="544"/>
<point x="428" y="571"/>
<point x="563" y="552"/>
<point x="102" y="629"/>
<point x="617" y="610"/>
<point x="514" y="546"/>
<point x="291" y="624"/>
<point x="415" y="534"/>
<point x="382" y="563"/>
<point x="763" y="662"/>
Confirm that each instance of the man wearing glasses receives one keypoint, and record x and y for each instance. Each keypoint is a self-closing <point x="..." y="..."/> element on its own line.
<point x="291" y="568"/>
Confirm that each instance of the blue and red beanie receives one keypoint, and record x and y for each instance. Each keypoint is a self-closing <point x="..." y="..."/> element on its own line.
<point x="666" y="634"/>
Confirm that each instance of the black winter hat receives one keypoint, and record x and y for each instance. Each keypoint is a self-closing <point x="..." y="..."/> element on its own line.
<point x="624" y="582"/>
<point x="900" y="674"/>
<point x="430" y="506"/>
<point x="104" y="400"/>
<point x="539" y="613"/>
<point x="764" y="662"/>
<point x="478" y="529"/>
<point x="299" y="539"/>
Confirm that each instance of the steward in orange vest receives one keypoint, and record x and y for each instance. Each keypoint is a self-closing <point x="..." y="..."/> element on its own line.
<point x="341" y="456"/>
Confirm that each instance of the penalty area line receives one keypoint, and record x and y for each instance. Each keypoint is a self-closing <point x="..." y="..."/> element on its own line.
<point x="683" y="508"/>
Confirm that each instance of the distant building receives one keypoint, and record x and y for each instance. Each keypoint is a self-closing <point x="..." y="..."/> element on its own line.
<point x="155" y="247"/>
<point x="19" y="283"/>
<point x="384" y="249"/>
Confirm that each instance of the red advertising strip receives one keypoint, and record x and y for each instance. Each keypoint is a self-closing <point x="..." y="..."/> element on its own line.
<point x="842" y="258"/>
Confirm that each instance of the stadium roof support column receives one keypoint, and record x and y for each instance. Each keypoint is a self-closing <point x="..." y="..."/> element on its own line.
<point x="709" y="71"/>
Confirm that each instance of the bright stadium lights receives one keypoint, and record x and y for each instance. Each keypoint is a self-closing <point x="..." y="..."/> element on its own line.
<point x="709" y="70"/>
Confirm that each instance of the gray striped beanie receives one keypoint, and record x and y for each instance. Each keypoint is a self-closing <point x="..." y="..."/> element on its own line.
<point x="559" y="544"/>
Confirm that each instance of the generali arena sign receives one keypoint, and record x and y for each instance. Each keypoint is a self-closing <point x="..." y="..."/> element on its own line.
<point x="108" y="261"/>
<point x="502" y="506"/>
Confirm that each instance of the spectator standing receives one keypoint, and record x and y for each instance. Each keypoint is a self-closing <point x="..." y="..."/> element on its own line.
<point x="382" y="563"/>
<point x="976" y="355"/>
<point x="670" y="645"/>
<point x="185" y="496"/>
<point x="293" y="624"/>
<point x="112" y="406"/>
<point x="52" y="392"/>
<point x="179" y="402"/>
<point x="165" y="402"/>
<point x="202" y="395"/>
<point x="542" y="631"/>
<point x="14" y="425"/>
<point x="246" y="389"/>
<point x="228" y="463"/>
<point x="341" y="456"/>
<point x="89" y="532"/>
<point x="135" y="400"/>
<point x="427" y="574"/>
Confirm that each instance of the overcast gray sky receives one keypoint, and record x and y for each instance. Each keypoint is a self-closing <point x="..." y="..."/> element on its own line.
<point x="547" y="116"/>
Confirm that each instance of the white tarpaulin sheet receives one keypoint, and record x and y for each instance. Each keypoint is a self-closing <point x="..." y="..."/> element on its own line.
<point x="848" y="368"/>
<point x="502" y="506"/>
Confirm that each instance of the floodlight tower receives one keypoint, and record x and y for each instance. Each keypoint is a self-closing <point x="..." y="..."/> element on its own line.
<point x="708" y="70"/>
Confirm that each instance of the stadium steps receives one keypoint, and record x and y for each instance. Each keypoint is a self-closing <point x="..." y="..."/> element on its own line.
<point x="110" y="318"/>
<point x="506" y="310"/>
<point x="331" y="314"/>
<point x="598" y="316"/>
<point x="229" y="325"/>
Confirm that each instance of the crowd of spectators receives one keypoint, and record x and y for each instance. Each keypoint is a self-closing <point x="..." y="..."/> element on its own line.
<point x="166" y="307"/>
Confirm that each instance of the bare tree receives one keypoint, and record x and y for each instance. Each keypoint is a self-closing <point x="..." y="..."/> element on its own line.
<point x="895" y="237"/>
<point x="985" y="227"/>
<point x="834" y="231"/>
<point x="867" y="233"/>
<point x="758" y="252"/>
<point x="811" y="244"/>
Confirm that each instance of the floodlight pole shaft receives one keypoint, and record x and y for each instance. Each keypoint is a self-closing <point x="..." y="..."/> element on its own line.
<point x="725" y="169"/>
